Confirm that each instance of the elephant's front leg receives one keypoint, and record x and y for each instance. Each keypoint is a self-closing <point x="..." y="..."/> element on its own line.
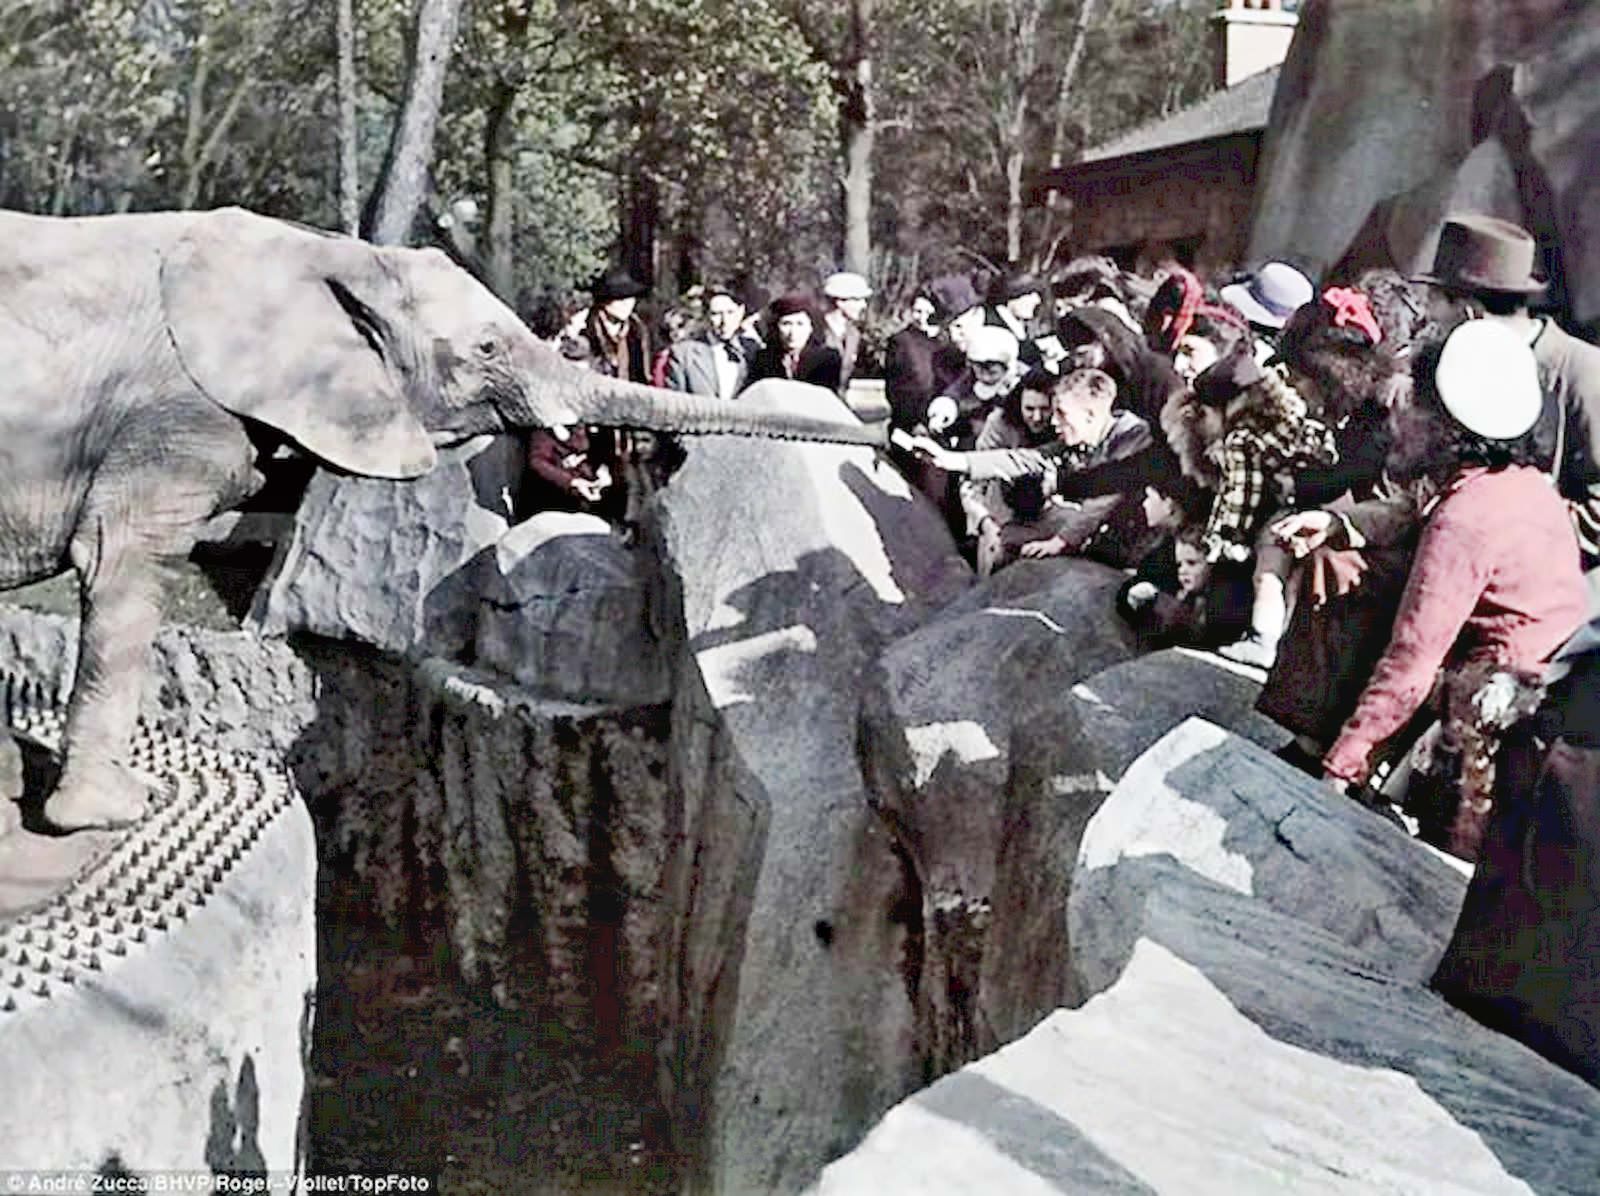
<point x="121" y="607"/>
<point x="167" y="474"/>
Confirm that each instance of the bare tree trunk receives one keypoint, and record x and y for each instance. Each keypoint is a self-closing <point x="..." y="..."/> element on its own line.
<point x="349" y="181"/>
<point x="194" y="177"/>
<point x="499" y="231"/>
<point x="1069" y="76"/>
<point x="641" y="220"/>
<point x="856" y="113"/>
<point x="1023" y="17"/>
<point x="403" y="183"/>
<point x="195" y="118"/>
<point x="498" y="143"/>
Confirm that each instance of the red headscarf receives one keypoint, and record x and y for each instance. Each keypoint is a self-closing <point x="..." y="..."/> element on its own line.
<point x="1172" y="310"/>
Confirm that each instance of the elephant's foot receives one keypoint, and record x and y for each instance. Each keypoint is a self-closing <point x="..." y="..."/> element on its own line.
<point x="97" y="799"/>
<point x="11" y="786"/>
<point x="10" y="769"/>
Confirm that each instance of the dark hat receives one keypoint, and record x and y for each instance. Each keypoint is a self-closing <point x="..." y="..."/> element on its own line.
<point x="1227" y="379"/>
<point x="952" y="294"/>
<point x="1013" y="286"/>
<point x="1483" y="253"/>
<point x="617" y="283"/>
<point x="728" y="290"/>
<point x="791" y="304"/>
<point x="754" y="296"/>
<point x="1341" y="321"/>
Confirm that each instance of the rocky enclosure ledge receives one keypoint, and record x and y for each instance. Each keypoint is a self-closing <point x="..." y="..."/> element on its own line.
<point x="841" y="826"/>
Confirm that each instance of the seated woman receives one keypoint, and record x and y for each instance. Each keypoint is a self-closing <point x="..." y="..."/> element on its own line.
<point x="1336" y="356"/>
<point x="1260" y="435"/>
<point x="1021" y="421"/>
<point x="1496" y="579"/>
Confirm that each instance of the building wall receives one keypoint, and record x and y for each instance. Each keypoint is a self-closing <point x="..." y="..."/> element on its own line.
<point x="1192" y="203"/>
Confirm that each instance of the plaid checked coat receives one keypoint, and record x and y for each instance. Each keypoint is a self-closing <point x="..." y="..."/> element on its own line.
<point x="1270" y="438"/>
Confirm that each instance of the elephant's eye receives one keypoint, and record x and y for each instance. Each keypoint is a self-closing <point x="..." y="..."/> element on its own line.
<point x="486" y="347"/>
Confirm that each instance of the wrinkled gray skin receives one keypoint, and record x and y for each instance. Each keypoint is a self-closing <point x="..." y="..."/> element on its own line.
<point x="147" y="361"/>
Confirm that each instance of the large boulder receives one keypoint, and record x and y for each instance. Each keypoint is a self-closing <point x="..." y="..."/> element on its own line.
<point x="1474" y="103"/>
<point x="788" y="1018"/>
<point x="939" y="747"/>
<point x="563" y="610"/>
<point x="1231" y="1069"/>
<point x="1254" y="946"/>
<point x="1064" y="761"/>
<point x="1205" y="804"/>
<point x="390" y="563"/>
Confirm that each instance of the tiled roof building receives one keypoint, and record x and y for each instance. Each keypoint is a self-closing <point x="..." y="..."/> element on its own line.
<point x="1181" y="186"/>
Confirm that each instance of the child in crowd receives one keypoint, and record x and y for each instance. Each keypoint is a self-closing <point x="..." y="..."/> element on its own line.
<point x="1258" y="434"/>
<point x="1177" y="596"/>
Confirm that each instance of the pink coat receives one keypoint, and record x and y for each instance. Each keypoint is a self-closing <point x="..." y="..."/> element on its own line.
<point x="1496" y="578"/>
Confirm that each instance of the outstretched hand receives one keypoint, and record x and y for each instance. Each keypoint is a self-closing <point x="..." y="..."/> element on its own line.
<point x="1304" y="531"/>
<point x="1054" y="546"/>
<point x="925" y="448"/>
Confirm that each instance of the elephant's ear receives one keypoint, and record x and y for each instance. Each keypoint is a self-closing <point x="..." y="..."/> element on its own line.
<point x="279" y="324"/>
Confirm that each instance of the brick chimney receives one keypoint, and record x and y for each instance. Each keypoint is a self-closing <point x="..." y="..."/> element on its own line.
<point x="1250" y="36"/>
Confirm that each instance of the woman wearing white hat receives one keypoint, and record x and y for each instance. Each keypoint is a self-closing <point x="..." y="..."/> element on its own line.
<point x="1496" y="582"/>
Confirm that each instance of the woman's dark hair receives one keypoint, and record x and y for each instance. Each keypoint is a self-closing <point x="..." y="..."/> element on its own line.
<point x="1400" y="305"/>
<point x="1192" y="500"/>
<point x="1347" y="367"/>
<point x="1451" y="447"/>
<point x="1040" y="382"/>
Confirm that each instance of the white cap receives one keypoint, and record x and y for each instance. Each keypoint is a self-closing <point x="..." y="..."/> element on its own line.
<point x="846" y="285"/>
<point x="989" y="343"/>
<point x="1488" y="380"/>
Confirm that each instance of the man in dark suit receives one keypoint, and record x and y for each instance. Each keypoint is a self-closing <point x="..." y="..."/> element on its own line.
<point x="717" y="361"/>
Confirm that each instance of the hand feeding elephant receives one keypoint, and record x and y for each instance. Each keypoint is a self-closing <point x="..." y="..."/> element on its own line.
<point x="148" y="361"/>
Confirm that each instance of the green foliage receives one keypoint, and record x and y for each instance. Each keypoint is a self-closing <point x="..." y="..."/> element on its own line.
<point x="726" y="113"/>
<point x="111" y="105"/>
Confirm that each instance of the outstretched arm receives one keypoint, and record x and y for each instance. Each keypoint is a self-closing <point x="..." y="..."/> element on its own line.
<point x="1447" y="578"/>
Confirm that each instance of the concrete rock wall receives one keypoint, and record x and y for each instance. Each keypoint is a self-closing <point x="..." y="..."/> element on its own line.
<point x="789" y="1021"/>
<point x="1255" y="947"/>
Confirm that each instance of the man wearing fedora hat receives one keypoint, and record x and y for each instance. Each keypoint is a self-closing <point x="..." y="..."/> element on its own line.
<point x="1485" y="268"/>
<point x="618" y="340"/>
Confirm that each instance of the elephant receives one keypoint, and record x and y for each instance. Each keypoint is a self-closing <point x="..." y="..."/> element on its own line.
<point x="152" y="363"/>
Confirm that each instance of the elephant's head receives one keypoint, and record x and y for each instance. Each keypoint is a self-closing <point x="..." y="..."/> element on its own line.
<point x="367" y="357"/>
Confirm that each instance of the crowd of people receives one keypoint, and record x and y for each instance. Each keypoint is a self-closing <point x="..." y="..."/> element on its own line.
<point x="1385" y="492"/>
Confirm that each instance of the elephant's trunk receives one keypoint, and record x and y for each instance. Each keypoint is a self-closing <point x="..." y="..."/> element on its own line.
<point x="774" y="408"/>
